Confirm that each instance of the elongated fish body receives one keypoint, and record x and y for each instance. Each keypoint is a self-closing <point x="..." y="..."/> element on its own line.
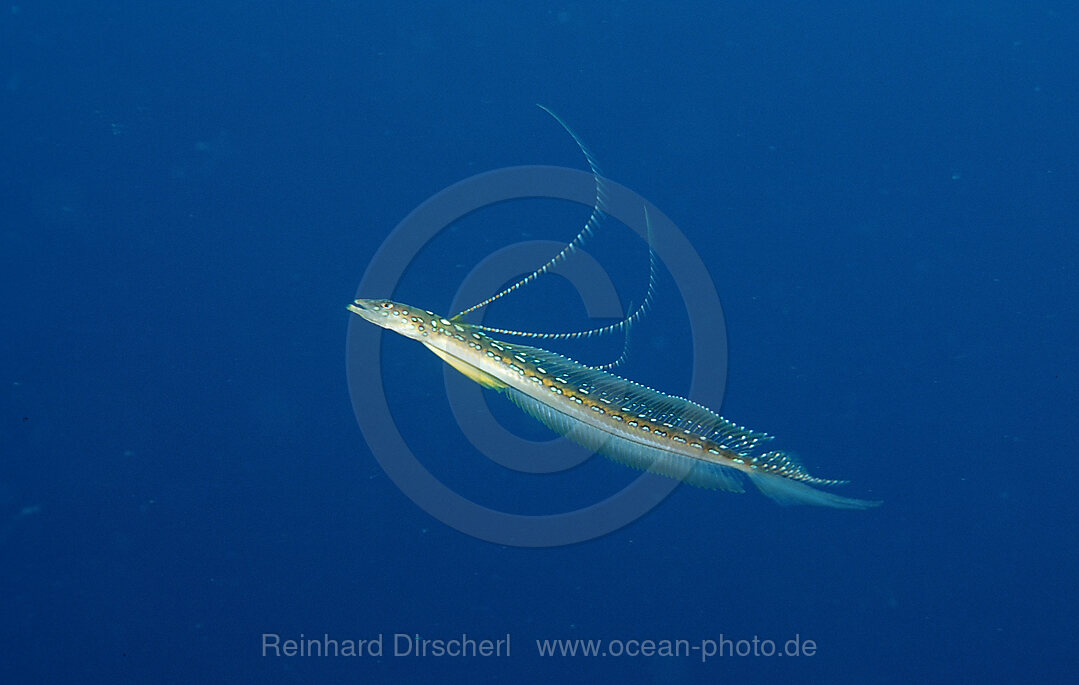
<point x="625" y="421"/>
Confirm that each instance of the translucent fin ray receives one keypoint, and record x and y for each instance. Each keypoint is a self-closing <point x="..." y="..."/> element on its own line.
<point x="633" y="454"/>
<point x="676" y="413"/>
<point x="695" y="472"/>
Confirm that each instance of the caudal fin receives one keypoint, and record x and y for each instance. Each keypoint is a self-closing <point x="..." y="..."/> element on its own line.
<point x="787" y="491"/>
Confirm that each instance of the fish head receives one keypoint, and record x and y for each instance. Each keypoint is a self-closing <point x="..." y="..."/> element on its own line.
<point x="411" y="322"/>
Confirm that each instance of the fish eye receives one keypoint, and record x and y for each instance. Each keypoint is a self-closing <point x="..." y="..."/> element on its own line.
<point x="386" y="305"/>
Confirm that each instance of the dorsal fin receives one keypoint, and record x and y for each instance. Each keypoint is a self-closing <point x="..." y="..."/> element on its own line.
<point x="598" y="212"/>
<point x="594" y="220"/>
<point x="622" y="357"/>
<point x="624" y="325"/>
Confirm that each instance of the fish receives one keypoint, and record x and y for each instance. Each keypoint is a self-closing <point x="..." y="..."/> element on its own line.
<point x="624" y="421"/>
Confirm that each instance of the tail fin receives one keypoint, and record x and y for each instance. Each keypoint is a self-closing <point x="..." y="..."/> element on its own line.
<point x="787" y="491"/>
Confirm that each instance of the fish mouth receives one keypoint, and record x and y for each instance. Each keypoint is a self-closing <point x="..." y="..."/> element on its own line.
<point x="367" y="309"/>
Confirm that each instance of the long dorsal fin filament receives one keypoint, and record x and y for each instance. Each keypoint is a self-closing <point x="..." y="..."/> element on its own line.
<point x="594" y="219"/>
<point x="624" y="324"/>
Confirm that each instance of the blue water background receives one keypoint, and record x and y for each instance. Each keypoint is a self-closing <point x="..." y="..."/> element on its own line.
<point x="886" y="197"/>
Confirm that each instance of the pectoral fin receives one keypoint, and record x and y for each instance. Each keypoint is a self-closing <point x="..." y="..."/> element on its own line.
<point x="482" y="377"/>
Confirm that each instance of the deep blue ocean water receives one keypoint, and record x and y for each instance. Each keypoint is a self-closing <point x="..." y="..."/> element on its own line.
<point x="885" y="196"/>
